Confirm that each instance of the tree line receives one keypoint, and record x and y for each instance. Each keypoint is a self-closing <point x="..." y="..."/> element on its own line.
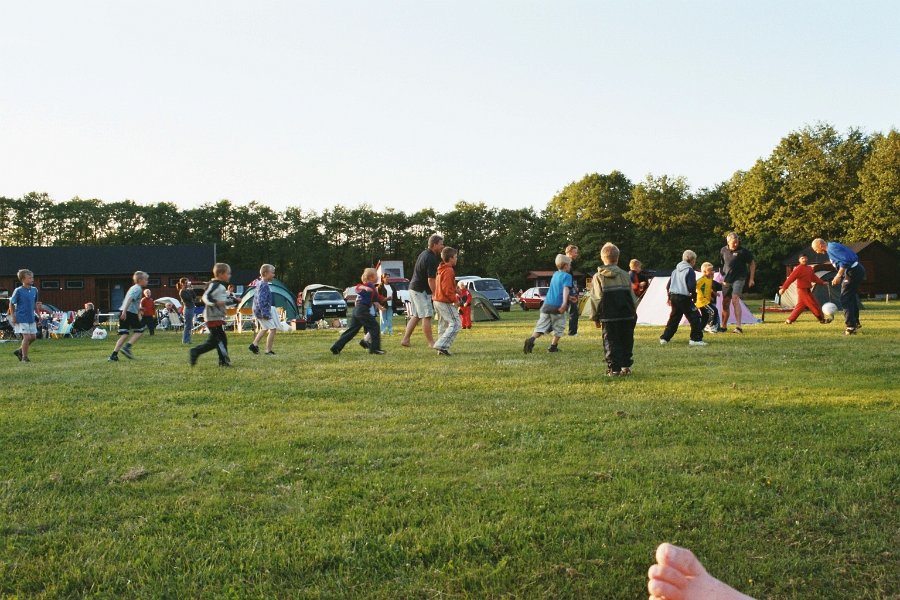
<point x="816" y="182"/>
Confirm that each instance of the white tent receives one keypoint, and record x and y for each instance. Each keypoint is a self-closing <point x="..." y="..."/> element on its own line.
<point x="653" y="310"/>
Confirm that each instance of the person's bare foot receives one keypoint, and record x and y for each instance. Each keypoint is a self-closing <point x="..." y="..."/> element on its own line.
<point x="678" y="575"/>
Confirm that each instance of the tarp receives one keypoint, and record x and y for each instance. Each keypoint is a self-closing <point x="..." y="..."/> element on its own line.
<point x="282" y="297"/>
<point x="482" y="309"/>
<point x="653" y="310"/>
<point x="822" y="293"/>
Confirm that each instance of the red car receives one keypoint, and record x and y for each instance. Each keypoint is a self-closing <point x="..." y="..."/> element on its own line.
<point x="533" y="297"/>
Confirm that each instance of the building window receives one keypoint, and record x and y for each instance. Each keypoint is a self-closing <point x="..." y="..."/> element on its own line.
<point x="173" y="281"/>
<point x="50" y="284"/>
<point x="74" y="284"/>
<point x="153" y="282"/>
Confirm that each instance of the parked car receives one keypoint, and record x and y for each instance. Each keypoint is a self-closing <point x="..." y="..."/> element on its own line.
<point x="350" y="295"/>
<point x="491" y="288"/>
<point x="401" y="286"/>
<point x="321" y="301"/>
<point x="533" y="298"/>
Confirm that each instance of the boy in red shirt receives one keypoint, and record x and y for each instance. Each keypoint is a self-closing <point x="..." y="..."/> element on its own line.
<point x="804" y="275"/>
<point x="148" y="311"/>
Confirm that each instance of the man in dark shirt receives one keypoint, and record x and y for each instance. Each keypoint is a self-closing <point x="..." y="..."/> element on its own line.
<point x="421" y="287"/>
<point x="737" y="265"/>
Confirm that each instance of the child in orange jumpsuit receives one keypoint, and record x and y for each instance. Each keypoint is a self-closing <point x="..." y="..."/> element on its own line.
<point x="465" y="305"/>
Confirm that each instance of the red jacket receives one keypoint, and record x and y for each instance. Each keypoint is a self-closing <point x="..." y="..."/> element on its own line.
<point x="445" y="284"/>
<point x="804" y="276"/>
<point x="148" y="307"/>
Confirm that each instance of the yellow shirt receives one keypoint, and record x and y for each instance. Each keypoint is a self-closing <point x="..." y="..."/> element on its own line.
<point x="704" y="291"/>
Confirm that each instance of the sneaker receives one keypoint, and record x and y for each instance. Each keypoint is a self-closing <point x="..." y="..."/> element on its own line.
<point x="127" y="352"/>
<point x="697" y="343"/>
<point x="113" y="358"/>
<point x="625" y="371"/>
<point x="364" y="344"/>
<point x="253" y="348"/>
<point x="18" y="354"/>
<point x="663" y="342"/>
<point x="737" y="330"/>
<point x="270" y="353"/>
<point x="611" y="373"/>
<point x="553" y="349"/>
<point x="26" y="359"/>
<point x="192" y="357"/>
<point x="723" y="329"/>
<point x="225" y="365"/>
<point x="573" y="334"/>
<point x="335" y="351"/>
<point x="850" y="331"/>
<point x="378" y="352"/>
<point x="788" y="322"/>
<point x="443" y="352"/>
<point x="529" y="345"/>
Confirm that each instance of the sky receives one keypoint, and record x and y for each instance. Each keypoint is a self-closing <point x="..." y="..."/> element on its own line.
<point x="421" y="103"/>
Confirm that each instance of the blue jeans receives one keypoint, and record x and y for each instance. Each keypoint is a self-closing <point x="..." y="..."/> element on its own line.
<point x="387" y="320"/>
<point x="188" y="325"/>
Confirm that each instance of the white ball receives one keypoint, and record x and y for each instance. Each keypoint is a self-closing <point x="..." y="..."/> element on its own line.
<point x="829" y="308"/>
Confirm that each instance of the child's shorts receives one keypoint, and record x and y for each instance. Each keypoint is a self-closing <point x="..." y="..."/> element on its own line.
<point x="132" y="323"/>
<point x="25" y="328"/>
<point x="266" y="324"/>
<point x="551" y="322"/>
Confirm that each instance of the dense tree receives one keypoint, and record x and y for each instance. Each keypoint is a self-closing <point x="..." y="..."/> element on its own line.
<point x="877" y="216"/>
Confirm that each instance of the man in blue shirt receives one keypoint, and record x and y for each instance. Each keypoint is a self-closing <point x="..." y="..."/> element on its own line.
<point x="850" y="274"/>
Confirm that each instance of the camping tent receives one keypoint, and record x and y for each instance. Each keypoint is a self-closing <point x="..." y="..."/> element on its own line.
<point x="653" y="310"/>
<point x="482" y="309"/>
<point x="281" y="298"/>
<point x="822" y="293"/>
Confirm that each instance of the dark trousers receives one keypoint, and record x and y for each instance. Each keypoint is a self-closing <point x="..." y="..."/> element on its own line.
<point x="150" y="323"/>
<point x="683" y="306"/>
<point x="850" y="294"/>
<point x="216" y="341"/>
<point x="360" y="320"/>
<point x="709" y="315"/>
<point x="573" y="318"/>
<point x="618" y="343"/>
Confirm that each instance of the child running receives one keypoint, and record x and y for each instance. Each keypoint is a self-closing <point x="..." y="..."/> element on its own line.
<point x="130" y="318"/>
<point x="556" y="303"/>
<point x="366" y="298"/>
<point x="805" y="277"/>
<point x="262" y="311"/>
<point x="22" y="307"/>
<point x="614" y="297"/>
<point x="707" y="290"/>
<point x="682" y="288"/>
<point x="445" y="301"/>
<point x="215" y="298"/>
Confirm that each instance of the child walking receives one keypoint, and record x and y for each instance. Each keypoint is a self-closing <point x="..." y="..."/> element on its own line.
<point x="215" y="299"/>
<point x="682" y="288"/>
<point x="148" y="311"/>
<point x="445" y="302"/>
<point x="464" y="297"/>
<point x="612" y="294"/>
<point x="556" y="303"/>
<point x="130" y="318"/>
<point x="262" y="311"/>
<point x="23" y="304"/>
<point x="366" y="298"/>
<point x="707" y="290"/>
<point x="805" y="277"/>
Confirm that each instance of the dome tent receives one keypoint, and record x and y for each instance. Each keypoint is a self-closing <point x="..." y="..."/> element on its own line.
<point x="281" y="298"/>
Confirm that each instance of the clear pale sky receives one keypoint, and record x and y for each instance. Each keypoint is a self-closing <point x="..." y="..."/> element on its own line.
<point x="421" y="103"/>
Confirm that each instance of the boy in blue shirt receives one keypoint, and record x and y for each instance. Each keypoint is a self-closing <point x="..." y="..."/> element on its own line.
<point x="130" y="318"/>
<point x="556" y="303"/>
<point x="850" y="273"/>
<point x="22" y="306"/>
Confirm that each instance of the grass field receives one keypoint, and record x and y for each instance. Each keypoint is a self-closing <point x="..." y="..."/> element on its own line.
<point x="774" y="455"/>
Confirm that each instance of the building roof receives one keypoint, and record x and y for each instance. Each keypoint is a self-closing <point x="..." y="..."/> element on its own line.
<point x="541" y="274"/>
<point x="106" y="260"/>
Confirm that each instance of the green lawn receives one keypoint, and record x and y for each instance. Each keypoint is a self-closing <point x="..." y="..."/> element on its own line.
<point x="774" y="455"/>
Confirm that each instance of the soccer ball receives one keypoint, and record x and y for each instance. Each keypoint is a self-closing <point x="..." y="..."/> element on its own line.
<point x="829" y="309"/>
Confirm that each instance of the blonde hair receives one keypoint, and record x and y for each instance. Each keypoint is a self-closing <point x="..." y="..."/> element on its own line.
<point x="562" y="260"/>
<point x="609" y="253"/>
<point x="634" y="263"/>
<point x="23" y="273"/>
<point x="368" y="274"/>
<point x="689" y="255"/>
<point x="139" y="275"/>
<point x="220" y="268"/>
<point x="706" y="265"/>
<point x="266" y="268"/>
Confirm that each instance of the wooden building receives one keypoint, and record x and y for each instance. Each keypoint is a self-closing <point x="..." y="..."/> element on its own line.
<point x="880" y="262"/>
<point x="69" y="276"/>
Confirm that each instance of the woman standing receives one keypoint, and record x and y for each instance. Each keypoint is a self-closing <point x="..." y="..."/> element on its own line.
<point x="387" y="310"/>
<point x="188" y="301"/>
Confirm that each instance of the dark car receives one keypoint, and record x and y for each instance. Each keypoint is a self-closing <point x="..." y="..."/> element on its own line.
<point x="491" y="288"/>
<point x="320" y="301"/>
<point x="533" y="298"/>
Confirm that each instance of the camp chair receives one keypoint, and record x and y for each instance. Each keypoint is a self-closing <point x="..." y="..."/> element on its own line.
<point x="63" y="328"/>
<point x="175" y="322"/>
